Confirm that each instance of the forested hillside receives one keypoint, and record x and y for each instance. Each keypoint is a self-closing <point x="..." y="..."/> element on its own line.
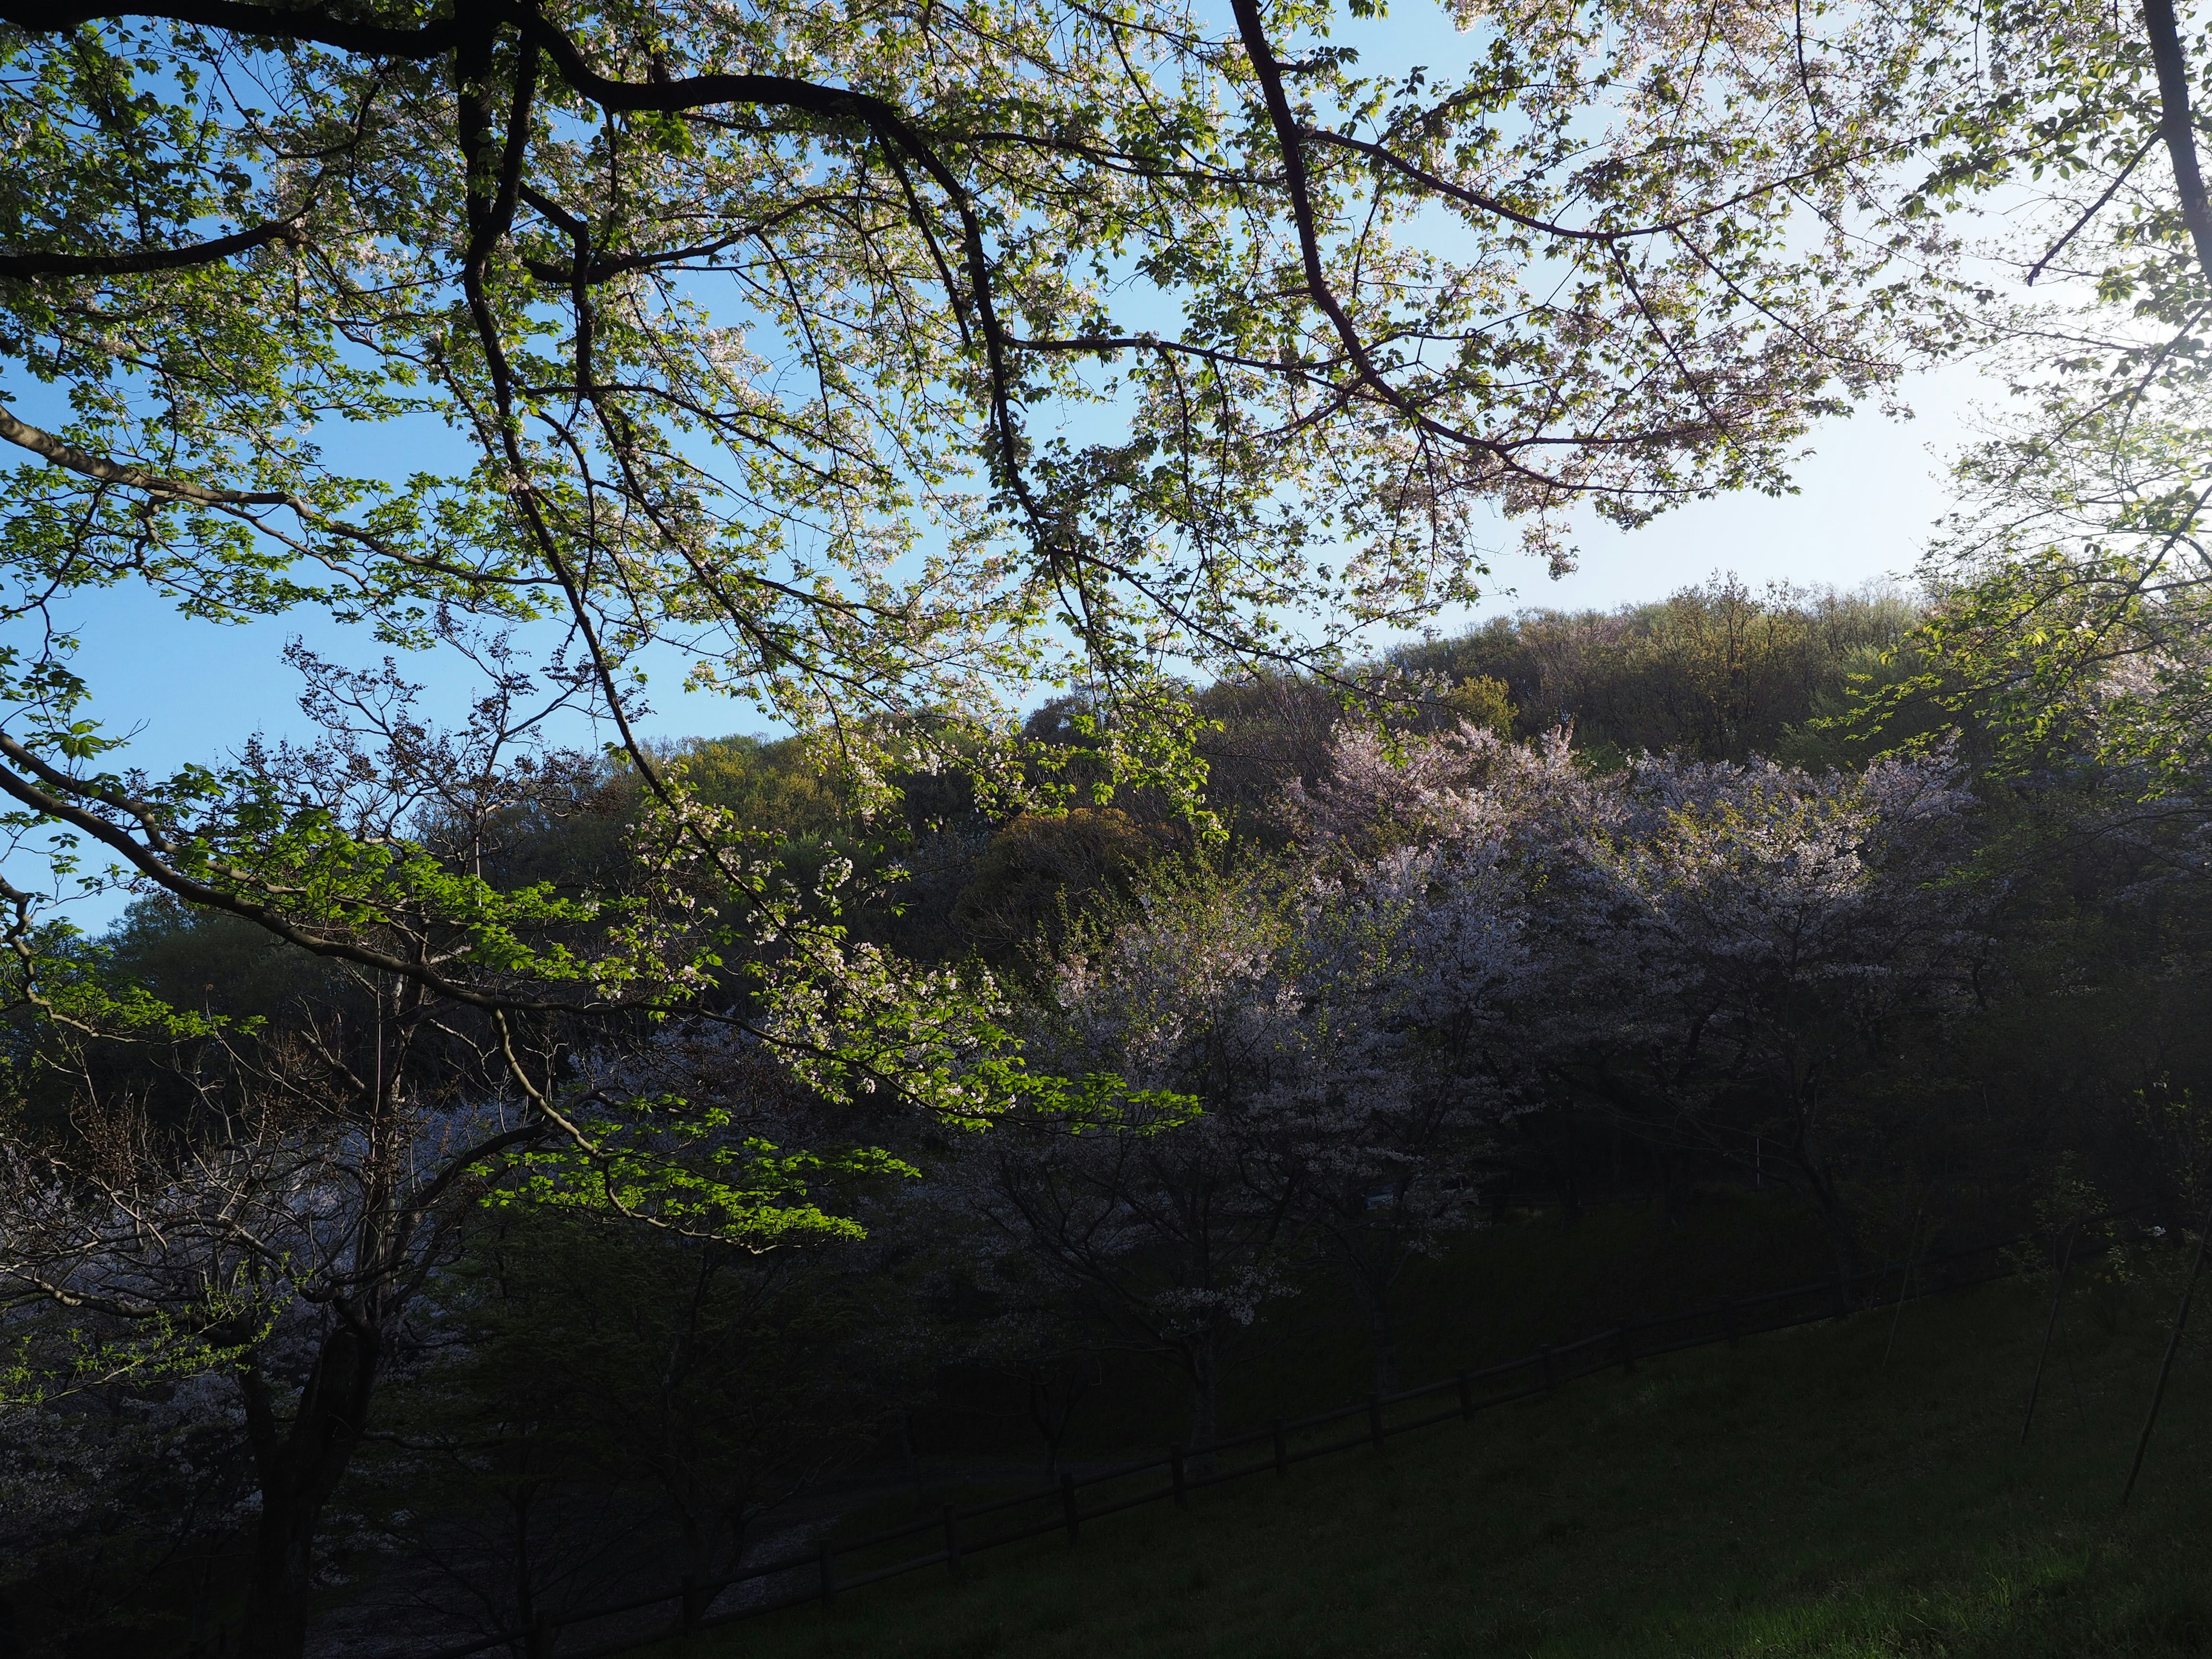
<point x="510" y="1156"/>
<point x="1557" y="931"/>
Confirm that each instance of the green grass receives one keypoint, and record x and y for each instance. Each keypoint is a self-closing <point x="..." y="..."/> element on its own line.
<point x="1805" y="1495"/>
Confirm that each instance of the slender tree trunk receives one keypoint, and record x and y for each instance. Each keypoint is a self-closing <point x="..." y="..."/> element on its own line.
<point x="909" y="1452"/>
<point x="525" y="1598"/>
<point x="1204" y="1395"/>
<point x="1827" y="1200"/>
<point x="1547" y="1145"/>
<point x="1373" y="1278"/>
<point x="1570" y="1191"/>
<point x="1052" y="1415"/>
<point x="1670" y="1199"/>
<point x="195" y="1643"/>
<point x="1384" y="1337"/>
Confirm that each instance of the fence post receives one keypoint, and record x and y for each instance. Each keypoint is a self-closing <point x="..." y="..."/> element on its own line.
<point x="1551" y="1381"/>
<point x="908" y="1444"/>
<point x="696" y="1598"/>
<point x="1068" y="1510"/>
<point x="1466" y="1394"/>
<point x="1375" y="1419"/>
<point x="1175" y="1472"/>
<point x="828" y="1557"/>
<point x="537" y="1640"/>
<point x="2050" y="1330"/>
<point x="951" y="1543"/>
<point x="1282" y="1448"/>
<point x="2166" y="1365"/>
<point x="1904" y="1276"/>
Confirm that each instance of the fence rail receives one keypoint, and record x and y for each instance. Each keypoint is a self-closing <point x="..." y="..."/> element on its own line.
<point x="956" y="1535"/>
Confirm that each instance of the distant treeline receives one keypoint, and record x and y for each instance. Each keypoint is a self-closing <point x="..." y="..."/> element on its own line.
<point x="1717" y="671"/>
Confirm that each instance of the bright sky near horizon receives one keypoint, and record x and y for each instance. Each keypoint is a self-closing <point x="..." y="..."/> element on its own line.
<point x="1868" y="498"/>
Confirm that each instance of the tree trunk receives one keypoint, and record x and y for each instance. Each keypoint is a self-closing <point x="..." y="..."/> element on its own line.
<point x="1205" y="1399"/>
<point x="282" y="1573"/>
<point x="1830" y="1203"/>
<point x="2177" y="127"/>
<point x="1546" y="1143"/>
<point x="526" y="1589"/>
<point x="1570" y="1191"/>
<point x="1385" y="1340"/>
<point x="1670" y="1195"/>
<point x="299" y="1468"/>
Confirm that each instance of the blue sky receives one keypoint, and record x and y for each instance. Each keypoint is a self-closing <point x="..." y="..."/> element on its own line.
<point x="1869" y="495"/>
<point x="1868" y="498"/>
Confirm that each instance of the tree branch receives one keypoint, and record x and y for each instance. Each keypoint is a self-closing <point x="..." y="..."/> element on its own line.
<point x="2174" y="124"/>
<point x="65" y="454"/>
<point x="280" y="23"/>
<point x="1290" y="138"/>
<point x="149" y="863"/>
<point x="26" y="265"/>
<point x="2095" y="208"/>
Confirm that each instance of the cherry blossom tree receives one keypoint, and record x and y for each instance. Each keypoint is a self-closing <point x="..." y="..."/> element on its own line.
<point x="1412" y="967"/>
<point x="1685" y="936"/>
<point x="1333" y="1034"/>
<point x="277" y="1239"/>
<point x="1774" y="924"/>
<point x="1148" y="1205"/>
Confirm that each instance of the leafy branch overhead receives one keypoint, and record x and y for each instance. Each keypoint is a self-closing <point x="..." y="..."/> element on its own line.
<point x="888" y="362"/>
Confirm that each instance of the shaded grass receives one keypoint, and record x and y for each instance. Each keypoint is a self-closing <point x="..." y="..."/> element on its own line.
<point x="1801" y="1496"/>
<point x="1496" y="1294"/>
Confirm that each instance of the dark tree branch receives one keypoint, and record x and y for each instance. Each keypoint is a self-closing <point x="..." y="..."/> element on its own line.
<point x="2095" y="208"/>
<point x="2176" y="126"/>
<point x="320" y="28"/>
<point x="28" y="266"/>
<point x="1290" y="138"/>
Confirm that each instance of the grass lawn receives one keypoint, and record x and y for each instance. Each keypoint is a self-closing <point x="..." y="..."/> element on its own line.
<point x="1816" y="1493"/>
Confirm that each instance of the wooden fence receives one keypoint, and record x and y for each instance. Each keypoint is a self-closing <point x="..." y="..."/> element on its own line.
<point x="948" y="1539"/>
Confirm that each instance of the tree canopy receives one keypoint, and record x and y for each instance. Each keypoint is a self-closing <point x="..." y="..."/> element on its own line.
<point x="887" y="362"/>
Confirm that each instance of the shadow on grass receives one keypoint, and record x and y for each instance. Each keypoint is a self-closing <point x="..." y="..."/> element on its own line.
<point x="1802" y="1496"/>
